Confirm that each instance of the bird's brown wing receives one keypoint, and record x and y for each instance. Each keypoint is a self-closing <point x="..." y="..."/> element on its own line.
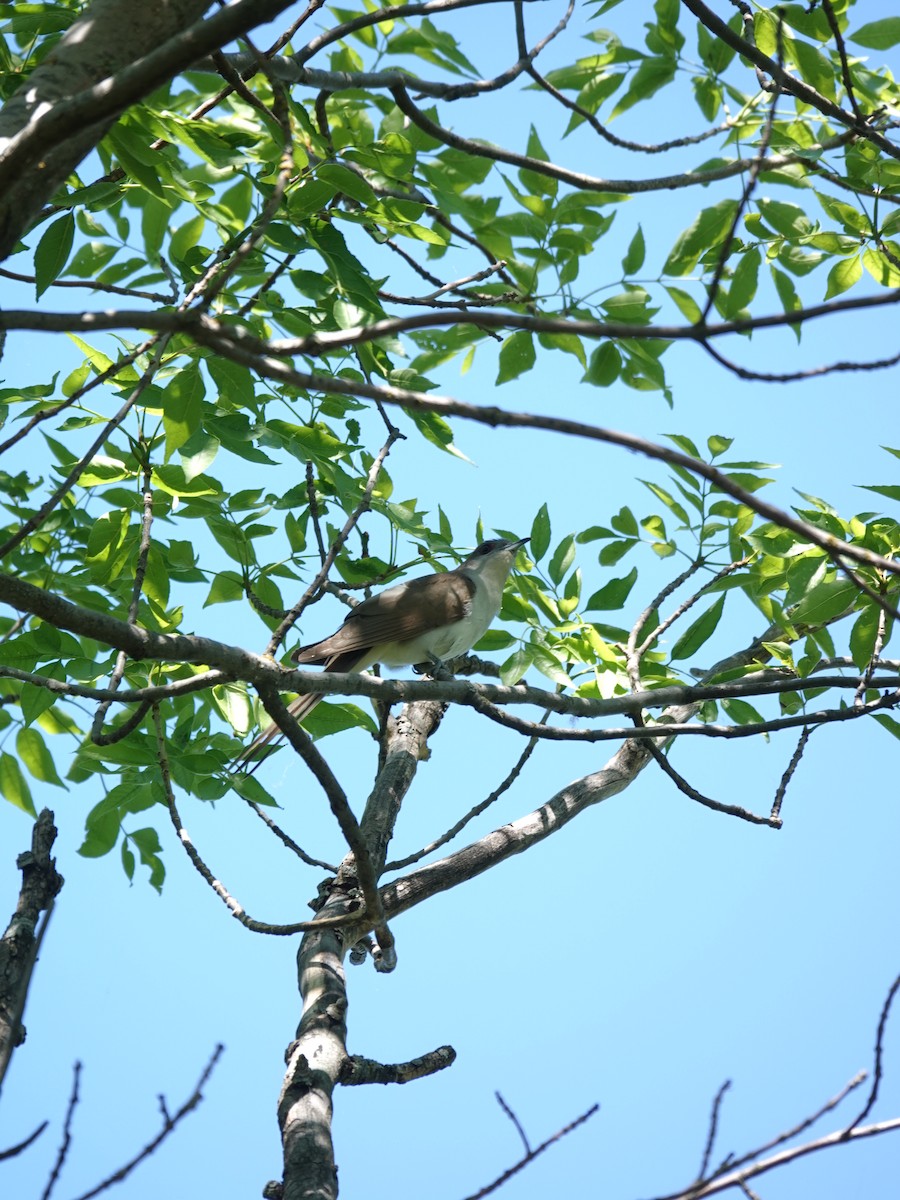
<point x="397" y="615"/>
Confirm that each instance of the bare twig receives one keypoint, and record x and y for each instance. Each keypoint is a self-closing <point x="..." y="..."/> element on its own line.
<point x="473" y="812"/>
<point x="775" y="814"/>
<point x="12" y="1151"/>
<point x="879" y="1045"/>
<point x="731" y="810"/>
<point x="749" y="187"/>
<point x="875" y="364"/>
<point x="531" y="1155"/>
<point x="236" y="909"/>
<point x="169" y="1124"/>
<point x="67" y="1134"/>
<point x="835" y="28"/>
<point x="515" y="1120"/>
<point x="288" y="840"/>
<point x="93" y="284"/>
<point x="713" y="1128"/>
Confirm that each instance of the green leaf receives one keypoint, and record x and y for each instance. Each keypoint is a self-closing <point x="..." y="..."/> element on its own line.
<point x="787" y="294"/>
<point x="226" y="586"/>
<point x="563" y="557"/>
<point x="13" y="785"/>
<point x="539" y="543"/>
<point x="101" y="834"/>
<point x="864" y="635"/>
<point x="37" y="700"/>
<point x="888" y="723"/>
<point x="743" y="283"/>
<point x="741" y="712"/>
<point x="329" y="717"/>
<point x="842" y="276"/>
<point x="878" y="35"/>
<point x="669" y="501"/>
<point x="708" y="94"/>
<point x="613" y="594"/>
<point x="517" y="355"/>
<point x="605" y="365"/>
<point x="494" y="639"/>
<point x="715" y="53"/>
<point x="789" y="220"/>
<point x="52" y="252"/>
<point x="32" y="750"/>
<point x="132" y="154"/>
<point x="825" y="602"/>
<point x="516" y="665"/>
<point x="815" y="69"/>
<point x="699" y="632"/>
<point x="625" y="522"/>
<point x="634" y="257"/>
<point x="882" y="269"/>
<point x="708" y="229"/>
<point x="182" y="408"/>
<point x="686" y="304"/>
<point x="651" y="75"/>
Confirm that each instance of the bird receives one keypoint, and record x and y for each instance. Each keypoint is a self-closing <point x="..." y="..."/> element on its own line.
<point x="424" y="620"/>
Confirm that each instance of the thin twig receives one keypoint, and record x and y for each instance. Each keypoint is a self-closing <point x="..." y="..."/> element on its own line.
<point x="733" y="1165"/>
<point x="879" y="1044"/>
<point x="236" y="909"/>
<point x="842" y="55"/>
<point x="775" y="814"/>
<point x="169" y="1124"/>
<point x="473" y="812"/>
<point x="875" y="364"/>
<point x="288" y="840"/>
<point x="533" y="1154"/>
<point x="67" y="1134"/>
<point x="94" y="284"/>
<point x="713" y="1128"/>
<point x="12" y="1151"/>
<point x="731" y="810"/>
<point x="515" y="1120"/>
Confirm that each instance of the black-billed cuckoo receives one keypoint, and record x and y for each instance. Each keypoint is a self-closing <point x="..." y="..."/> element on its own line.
<point x="424" y="620"/>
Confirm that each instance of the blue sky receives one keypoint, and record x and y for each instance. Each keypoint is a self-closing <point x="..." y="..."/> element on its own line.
<point x="640" y="957"/>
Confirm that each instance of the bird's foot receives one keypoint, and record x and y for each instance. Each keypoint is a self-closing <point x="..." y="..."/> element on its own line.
<point x="435" y="667"/>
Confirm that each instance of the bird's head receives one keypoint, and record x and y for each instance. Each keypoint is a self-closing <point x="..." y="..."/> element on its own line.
<point x="493" y="558"/>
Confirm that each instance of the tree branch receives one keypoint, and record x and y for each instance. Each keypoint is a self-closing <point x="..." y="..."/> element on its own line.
<point x="41" y="883"/>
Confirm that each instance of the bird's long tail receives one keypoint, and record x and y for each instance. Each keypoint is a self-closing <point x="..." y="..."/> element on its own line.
<point x="301" y="707"/>
<point x="250" y="757"/>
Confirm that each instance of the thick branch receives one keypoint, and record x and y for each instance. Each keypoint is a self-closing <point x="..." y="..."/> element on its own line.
<point x="46" y="128"/>
<point x="41" y="883"/>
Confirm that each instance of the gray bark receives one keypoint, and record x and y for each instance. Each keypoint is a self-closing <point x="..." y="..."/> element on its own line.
<point x="111" y="35"/>
<point x="19" y="945"/>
